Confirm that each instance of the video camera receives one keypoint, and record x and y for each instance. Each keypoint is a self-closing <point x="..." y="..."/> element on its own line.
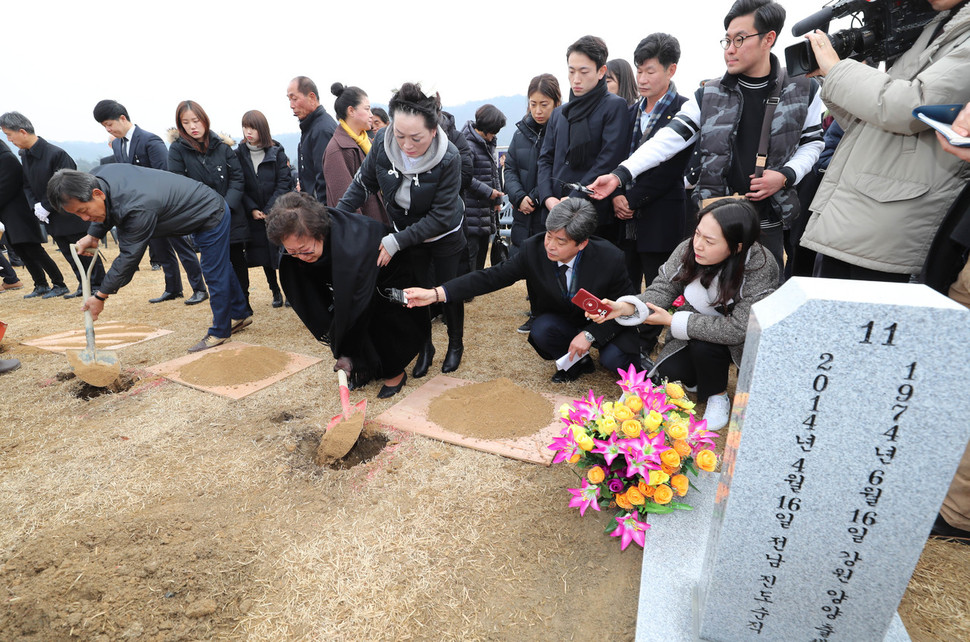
<point x="888" y="28"/>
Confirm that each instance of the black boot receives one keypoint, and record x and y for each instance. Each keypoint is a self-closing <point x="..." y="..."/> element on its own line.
<point x="424" y="360"/>
<point x="455" y="318"/>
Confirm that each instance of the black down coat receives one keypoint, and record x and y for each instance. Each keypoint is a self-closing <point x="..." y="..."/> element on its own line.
<point x="263" y="185"/>
<point x="480" y="214"/>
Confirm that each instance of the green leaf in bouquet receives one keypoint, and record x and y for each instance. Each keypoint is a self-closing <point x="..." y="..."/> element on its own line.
<point x="659" y="509"/>
<point x="690" y="467"/>
<point x="680" y="506"/>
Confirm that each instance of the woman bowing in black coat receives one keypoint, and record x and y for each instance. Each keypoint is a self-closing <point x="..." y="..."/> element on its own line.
<point x="266" y="171"/>
<point x="199" y="154"/>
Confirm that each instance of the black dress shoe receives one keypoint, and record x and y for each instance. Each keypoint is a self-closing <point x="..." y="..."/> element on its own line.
<point x="583" y="366"/>
<point x="40" y="290"/>
<point x="942" y="530"/>
<point x="76" y="293"/>
<point x="156" y="267"/>
<point x="424" y="360"/>
<point x="166" y="296"/>
<point x="57" y="290"/>
<point x="452" y="357"/>
<point x="390" y="391"/>
<point x="197" y="297"/>
<point x="277" y="299"/>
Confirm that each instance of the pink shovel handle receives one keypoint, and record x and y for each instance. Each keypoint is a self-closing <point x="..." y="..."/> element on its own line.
<point x="344" y="391"/>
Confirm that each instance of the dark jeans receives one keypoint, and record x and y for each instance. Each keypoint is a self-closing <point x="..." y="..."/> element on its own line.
<point x="64" y="245"/>
<point x="38" y="261"/>
<point x="237" y="256"/>
<point x="702" y="364"/>
<point x="165" y="249"/>
<point x="477" y="252"/>
<point x="225" y="295"/>
<point x="828" y="268"/>
<point x="552" y="333"/>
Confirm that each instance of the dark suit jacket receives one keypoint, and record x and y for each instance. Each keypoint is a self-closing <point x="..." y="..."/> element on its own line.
<point x="601" y="271"/>
<point x="145" y="149"/>
<point x="16" y="215"/>
<point x="40" y="162"/>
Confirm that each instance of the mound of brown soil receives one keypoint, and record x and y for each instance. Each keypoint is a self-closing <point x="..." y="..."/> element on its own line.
<point x="496" y="409"/>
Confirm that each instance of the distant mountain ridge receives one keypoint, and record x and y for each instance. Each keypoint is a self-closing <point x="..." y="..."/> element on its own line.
<point x="89" y="154"/>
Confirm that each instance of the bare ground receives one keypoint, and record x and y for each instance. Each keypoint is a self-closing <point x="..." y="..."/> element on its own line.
<point x="164" y="513"/>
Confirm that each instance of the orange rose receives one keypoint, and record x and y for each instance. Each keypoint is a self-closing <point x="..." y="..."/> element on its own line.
<point x="631" y="428"/>
<point x="667" y="469"/>
<point x="596" y="475"/>
<point x="680" y="484"/>
<point x="622" y="501"/>
<point x="634" y="403"/>
<point x="677" y="430"/>
<point x="670" y="458"/>
<point x="645" y="489"/>
<point x="683" y="403"/>
<point x="652" y="421"/>
<point x="622" y="413"/>
<point x="682" y="448"/>
<point x="706" y="460"/>
<point x="575" y="458"/>
<point x="674" y="390"/>
<point x="634" y="496"/>
<point x="663" y="494"/>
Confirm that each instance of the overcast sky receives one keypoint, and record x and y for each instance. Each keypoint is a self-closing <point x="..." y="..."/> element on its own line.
<point x="61" y="57"/>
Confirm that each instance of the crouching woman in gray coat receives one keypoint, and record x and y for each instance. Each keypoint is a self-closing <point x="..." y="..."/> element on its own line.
<point x="720" y="273"/>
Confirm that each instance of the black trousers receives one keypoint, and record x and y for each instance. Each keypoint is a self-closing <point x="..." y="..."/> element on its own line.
<point x="827" y="267"/>
<point x="166" y="249"/>
<point x="38" y="261"/>
<point x="643" y="267"/>
<point x="702" y="364"/>
<point x="433" y="264"/>
<point x="64" y="244"/>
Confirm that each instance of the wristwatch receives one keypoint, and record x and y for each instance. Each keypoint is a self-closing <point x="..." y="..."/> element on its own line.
<point x="589" y="336"/>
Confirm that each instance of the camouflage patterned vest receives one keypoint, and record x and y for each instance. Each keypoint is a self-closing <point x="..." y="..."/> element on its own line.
<point x="720" y="101"/>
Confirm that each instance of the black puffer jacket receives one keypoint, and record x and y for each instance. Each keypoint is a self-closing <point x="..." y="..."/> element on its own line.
<point x="522" y="177"/>
<point x="436" y="206"/>
<point x="263" y="185"/>
<point x="479" y="207"/>
<point x="219" y="168"/>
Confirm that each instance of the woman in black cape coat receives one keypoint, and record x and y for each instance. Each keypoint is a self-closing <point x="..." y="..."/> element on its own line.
<point x="330" y="276"/>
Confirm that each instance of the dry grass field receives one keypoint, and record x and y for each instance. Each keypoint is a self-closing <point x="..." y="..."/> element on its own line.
<point x="164" y="513"/>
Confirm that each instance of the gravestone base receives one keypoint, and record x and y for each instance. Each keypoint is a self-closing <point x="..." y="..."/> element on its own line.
<point x="671" y="573"/>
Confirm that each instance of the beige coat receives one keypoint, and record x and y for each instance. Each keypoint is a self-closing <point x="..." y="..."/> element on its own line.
<point x="890" y="183"/>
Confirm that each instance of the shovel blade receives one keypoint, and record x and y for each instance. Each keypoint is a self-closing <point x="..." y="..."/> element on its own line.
<point x="99" y="369"/>
<point x="343" y="431"/>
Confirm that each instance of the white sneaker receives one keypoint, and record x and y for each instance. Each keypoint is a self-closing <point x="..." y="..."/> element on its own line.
<point x="718" y="412"/>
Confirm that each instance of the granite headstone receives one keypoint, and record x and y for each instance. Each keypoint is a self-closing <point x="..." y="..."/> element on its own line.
<point x="849" y="421"/>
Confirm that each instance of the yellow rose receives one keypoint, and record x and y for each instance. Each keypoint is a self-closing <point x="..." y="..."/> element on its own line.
<point x="634" y="496"/>
<point x="608" y="409"/>
<point x="622" y="413"/>
<point x="677" y="430"/>
<point x="680" y="484"/>
<point x="577" y="430"/>
<point x="585" y="442"/>
<point x="607" y="425"/>
<point x="683" y="402"/>
<point x="663" y="494"/>
<point x="596" y="475"/>
<point x="669" y="458"/>
<point x="631" y="428"/>
<point x="706" y="460"/>
<point x="622" y="501"/>
<point x="674" y="390"/>
<point x="564" y="410"/>
<point x="658" y="477"/>
<point x="652" y="421"/>
<point x="634" y="403"/>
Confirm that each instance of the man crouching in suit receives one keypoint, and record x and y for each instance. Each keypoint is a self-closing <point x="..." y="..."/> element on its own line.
<point x="555" y="267"/>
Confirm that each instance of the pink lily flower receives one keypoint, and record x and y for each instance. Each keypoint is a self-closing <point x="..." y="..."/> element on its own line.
<point x="630" y="529"/>
<point x="585" y="497"/>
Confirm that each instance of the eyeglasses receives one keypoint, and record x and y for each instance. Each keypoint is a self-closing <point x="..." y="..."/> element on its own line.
<point x="285" y="252"/>
<point x="738" y="41"/>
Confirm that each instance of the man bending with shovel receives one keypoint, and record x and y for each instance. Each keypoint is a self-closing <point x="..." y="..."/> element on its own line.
<point x="148" y="203"/>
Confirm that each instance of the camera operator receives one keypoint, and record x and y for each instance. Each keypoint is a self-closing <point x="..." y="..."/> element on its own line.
<point x="890" y="183"/>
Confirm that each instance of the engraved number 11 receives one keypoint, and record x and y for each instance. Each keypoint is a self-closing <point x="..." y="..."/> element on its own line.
<point x="891" y="330"/>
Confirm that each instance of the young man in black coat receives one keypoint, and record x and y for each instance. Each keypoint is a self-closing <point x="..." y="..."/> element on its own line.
<point x="134" y="145"/>
<point x="316" y="130"/>
<point x="587" y="136"/>
<point x="40" y="160"/>
<point x="144" y="203"/>
<point x="555" y="267"/>
<point x="652" y="210"/>
<point x="23" y="232"/>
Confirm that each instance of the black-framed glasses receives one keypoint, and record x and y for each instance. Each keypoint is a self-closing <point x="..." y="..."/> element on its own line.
<point x="738" y="41"/>
<point x="284" y="252"/>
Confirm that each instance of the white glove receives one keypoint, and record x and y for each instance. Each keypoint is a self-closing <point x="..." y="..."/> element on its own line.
<point x="41" y="214"/>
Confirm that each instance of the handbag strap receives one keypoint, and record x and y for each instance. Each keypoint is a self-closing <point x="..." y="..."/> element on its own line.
<point x="761" y="160"/>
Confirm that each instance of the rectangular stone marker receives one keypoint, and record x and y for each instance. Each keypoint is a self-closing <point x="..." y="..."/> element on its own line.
<point x="851" y="417"/>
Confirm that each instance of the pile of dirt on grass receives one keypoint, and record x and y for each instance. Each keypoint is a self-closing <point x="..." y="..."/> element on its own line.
<point x="234" y="366"/>
<point x="497" y="409"/>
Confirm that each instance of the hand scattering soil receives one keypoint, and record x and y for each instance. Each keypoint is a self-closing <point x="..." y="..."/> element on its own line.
<point x="496" y="409"/>
<point x="234" y="367"/>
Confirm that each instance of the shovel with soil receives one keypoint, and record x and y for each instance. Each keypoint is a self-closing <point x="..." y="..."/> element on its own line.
<point x="344" y="429"/>
<point x="97" y="368"/>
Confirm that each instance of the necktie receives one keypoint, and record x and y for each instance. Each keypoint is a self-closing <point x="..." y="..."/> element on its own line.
<point x="562" y="278"/>
<point x="124" y="149"/>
